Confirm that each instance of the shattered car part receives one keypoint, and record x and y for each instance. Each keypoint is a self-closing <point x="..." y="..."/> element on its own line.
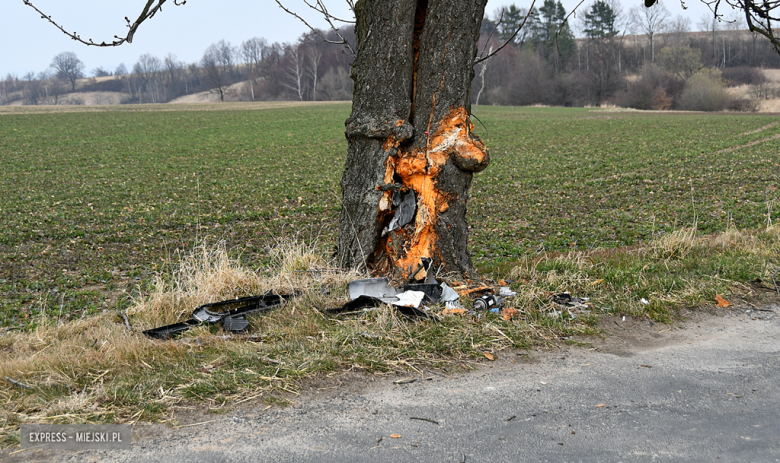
<point x="567" y="300"/>
<point x="374" y="287"/>
<point x="410" y="299"/>
<point x="231" y="313"/>
<point x="506" y="291"/>
<point x="407" y="204"/>
<point x="426" y="263"/>
<point x="169" y="331"/>
<point x="448" y="294"/>
<point x="487" y="302"/>
<point x="368" y="302"/>
<point x="432" y="292"/>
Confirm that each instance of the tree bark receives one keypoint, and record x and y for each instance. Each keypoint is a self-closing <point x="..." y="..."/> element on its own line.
<point x="410" y="132"/>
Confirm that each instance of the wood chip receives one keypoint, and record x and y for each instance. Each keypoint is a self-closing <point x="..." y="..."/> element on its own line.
<point x="395" y="436"/>
<point x="600" y="405"/>
<point x="454" y="311"/>
<point x="466" y="292"/>
<point x="489" y="356"/>
<point x="721" y="302"/>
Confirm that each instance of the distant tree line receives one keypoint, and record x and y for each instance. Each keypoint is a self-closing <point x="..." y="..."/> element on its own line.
<point x="642" y="59"/>
<point x="254" y="70"/>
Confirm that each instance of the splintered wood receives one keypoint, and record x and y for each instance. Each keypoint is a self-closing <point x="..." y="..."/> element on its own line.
<point x="419" y="169"/>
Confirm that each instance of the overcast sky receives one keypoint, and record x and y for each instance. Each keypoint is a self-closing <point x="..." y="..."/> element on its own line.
<point x="28" y="43"/>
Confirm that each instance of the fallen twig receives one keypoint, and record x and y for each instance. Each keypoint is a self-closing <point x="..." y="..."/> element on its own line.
<point x="405" y="381"/>
<point x="777" y="289"/>
<point x="17" y="383"/>
<point x="423" y="419"/>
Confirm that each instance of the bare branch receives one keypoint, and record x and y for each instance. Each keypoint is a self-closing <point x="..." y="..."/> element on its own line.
<point x="759" y="15"/>
<point x="512" y="37"/>
<point x="320" y="8"/>
<point x="490" y="36"/>
<point x="151" y="8"/>
<point x="563" y="23"/>
<point x="327" y="17"/>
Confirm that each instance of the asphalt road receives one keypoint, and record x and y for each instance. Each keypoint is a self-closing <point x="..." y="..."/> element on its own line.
<point x="708" y="391"/>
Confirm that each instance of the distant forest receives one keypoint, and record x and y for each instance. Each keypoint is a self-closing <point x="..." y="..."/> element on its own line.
<point x="642" y="59"/>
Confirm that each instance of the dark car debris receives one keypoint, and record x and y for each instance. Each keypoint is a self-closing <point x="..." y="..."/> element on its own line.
<point x="231" y="313"/>
<point x="364" y="294"/>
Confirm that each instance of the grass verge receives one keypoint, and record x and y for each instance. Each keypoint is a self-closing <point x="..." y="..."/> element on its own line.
<point x="94" y="370"/>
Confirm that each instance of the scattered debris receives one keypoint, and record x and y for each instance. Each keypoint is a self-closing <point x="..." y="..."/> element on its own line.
<point x="231" y="314"/>
<point x="511" y="418"/>
<point x="421" y="287"/>
<point x="466" y="292"/>
<point x="506" y="291"/>
<point x="646" y="366"/>
<point x="448" y="294"/>
<point x="777" y="288"/>
<point x="487" y="302"/>
<point x="566" y="299"/>
<point x="721" y="302"/>
<point x="369" y="302"/>
<point x="375" y="287"/>
<point x="644" y="301"/>
<point x="18" y="383"/>
<point x="453" y="311"/>
<point x="395" y="436"/>
<point x="600" y="405"/>
<point x="407" y="205"/>
<point x="432" y="292"/>
<point x="489" y="356"/>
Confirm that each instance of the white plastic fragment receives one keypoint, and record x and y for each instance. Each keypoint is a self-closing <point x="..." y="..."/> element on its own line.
<point x="644" y="301"/>
<point x="448" y="294"/>
<point x="505" y="291"/>
<point x="410" y="299"/>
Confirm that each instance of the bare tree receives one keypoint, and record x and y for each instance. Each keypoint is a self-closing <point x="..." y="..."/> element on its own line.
<point x="68" y="66"/>
<point x="226" y="56"/>
<point x="315" y="56"/>
<point x="251" y="52"/>
<point x="173" y="69"/>
<point x="295" y="69"/>
<point x="679" y="28"/>
<point x="147" y="69"/>
<point x="650" y="21"/>
<point x="215" y="69"/>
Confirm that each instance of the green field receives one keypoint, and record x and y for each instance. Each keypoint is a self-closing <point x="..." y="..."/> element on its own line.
<point x="94" y="204"/>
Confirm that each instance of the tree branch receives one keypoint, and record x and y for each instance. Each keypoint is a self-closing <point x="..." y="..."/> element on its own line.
<point x="512" y="37"/>
<point x="328" y="17"/>
<point x="150" y="9"/>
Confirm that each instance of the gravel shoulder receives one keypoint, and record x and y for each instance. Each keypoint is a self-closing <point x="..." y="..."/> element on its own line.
<point x="702" y="390"/>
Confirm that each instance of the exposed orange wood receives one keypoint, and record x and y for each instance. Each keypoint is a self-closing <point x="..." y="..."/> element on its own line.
<point x="419" y="169"/>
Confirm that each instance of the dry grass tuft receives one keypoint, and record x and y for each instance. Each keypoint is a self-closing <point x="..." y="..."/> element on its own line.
<point x="675" y="245"/>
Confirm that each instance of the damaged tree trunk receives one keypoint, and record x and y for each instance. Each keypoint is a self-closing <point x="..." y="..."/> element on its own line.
<point x="411" y="152"/>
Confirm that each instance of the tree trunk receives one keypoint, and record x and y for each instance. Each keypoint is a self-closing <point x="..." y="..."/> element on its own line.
<point x="410" y="132"/>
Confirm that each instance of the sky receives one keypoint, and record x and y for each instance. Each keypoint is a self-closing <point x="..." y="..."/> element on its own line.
<point x="28" y="43"/>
